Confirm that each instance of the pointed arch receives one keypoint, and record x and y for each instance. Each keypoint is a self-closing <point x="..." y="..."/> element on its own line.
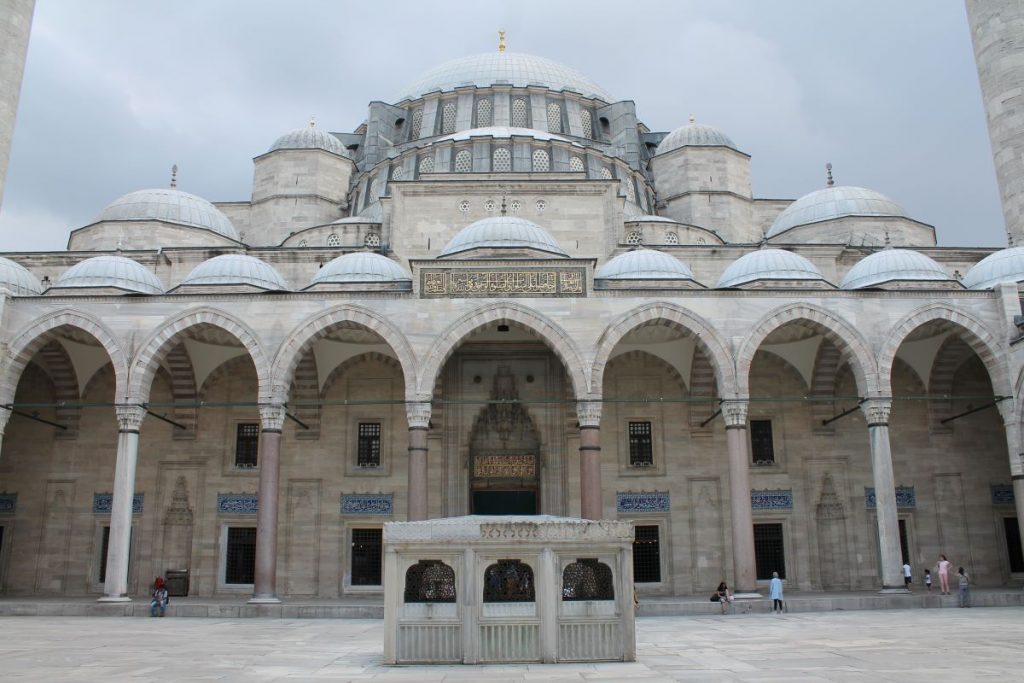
<point x="823" y="384"/>
<point x="304" y="396"/>
<point x="62" y="373"/>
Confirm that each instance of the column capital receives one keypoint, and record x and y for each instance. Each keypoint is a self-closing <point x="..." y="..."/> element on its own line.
<point x="734" y="412"/>
<point x="272" y="417"/>
<point x="876" y="411"/>
<point x="129" y="417"/>
<point x="588" y="413"/>
<point x="418" y="414"/>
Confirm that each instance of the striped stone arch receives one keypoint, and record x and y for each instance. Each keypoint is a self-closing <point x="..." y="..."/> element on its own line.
<point x="854" y="348"/>
<point x="369" y="357"/>
<point x="29" y="341"/>
<point x="973" y="331"/>
<point x="557" y="339"/>
<point x="166" y="337"/>
<point x="62" y="373"/>
<point x="232" y="366"/>
<point x="708" y="339"/>
<point x="317" y="327"/>
<point x="669" y="369"/>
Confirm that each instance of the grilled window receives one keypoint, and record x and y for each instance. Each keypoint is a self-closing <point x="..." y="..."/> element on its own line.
<point x="366" y="557"/>
<point x="576" y="165"/>
<point x="417" y="124"/>
<point x="541" y="161"/>
<point x="587" y="579"/>
<point x="508" y="581"/>
<point x="587" y="123"/>
<point x="646" y="555"/>
<point x="554" y="117"/>
<point x="448" y="117"/>
<point x="368" y="450"/>
<point x="247" y="444"/>
<point x="430" y="581"/>
<point x="483" y="113"/>
<point x="640" y="452"/>
<point x="762" y="449"/>
<point x="427" y="165"/>
<point x="240" y="558"/>
<point x="769" y="552"/>
<point x="519" y="113"/>
<point x="463" y="162"/>
<point x="502" y="162"/>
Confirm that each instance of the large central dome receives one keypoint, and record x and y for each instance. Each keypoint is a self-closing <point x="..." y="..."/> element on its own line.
<point x="503" y="68"/>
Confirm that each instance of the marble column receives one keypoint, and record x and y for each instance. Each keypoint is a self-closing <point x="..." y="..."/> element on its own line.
<point x="418" y="415"/>
<point x="265" y="581"/>
<point x="129" y="420"/>
<point x="744" y="562"/>
<point x="876" y="412"/>
<point x="15" y="27"/>
<point x="1014" y="446"/>
<point x="589" y="415"/>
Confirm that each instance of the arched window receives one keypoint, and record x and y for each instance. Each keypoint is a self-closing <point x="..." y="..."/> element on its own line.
<point x="508" y="581"/>
<point x="398" y="173"/>
<point x="430" y="581"/>
<point x="448" y="117"/>
<point x="627" y="185"/>
<point x="587" y="579"/>
<point x="333" y="240"/>
<point x="427" y="165"/>
<point x="576" y="165"/>
<point x="483" y="113"/>
<point x="671" y="238"/>
<point x="541" y="161"/>
<point x="374" y="193"/>
<point x="502" y="162"/>
<point x="587" y="123"/>
<point x="372" y="240"/>
<point x="519" y="117"/>
<point x="463" y="161"/>
<point x="606" y="173"/>
<point x="303" y="243"/>
<point x="554" y="117"/>
<point x="417" y="124"/>
<point x="635" y="238"/>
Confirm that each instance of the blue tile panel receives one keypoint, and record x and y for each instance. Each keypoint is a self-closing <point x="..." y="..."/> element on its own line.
<point x="237" y="504"/>
<point x="103" y="503"/>
<point x="1002" y="494"/>
<point x="645" y="501"/>
<point x="905" y="497"/>
<point x="8" y="503"/>
<point x="771" y="499"/>
<point x="367" y="504"/>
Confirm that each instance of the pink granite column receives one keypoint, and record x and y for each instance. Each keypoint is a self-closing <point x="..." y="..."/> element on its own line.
<point x="265" y="582"/>
<point x="418" y="415"/>
<point x="876" y="412"/>
<point x="743" y="560"/>
<point x="589" y="415"/>
<point x="129" y="420"/>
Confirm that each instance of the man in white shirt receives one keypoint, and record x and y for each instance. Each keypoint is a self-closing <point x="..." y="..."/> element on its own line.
<point x="906" y="575"/>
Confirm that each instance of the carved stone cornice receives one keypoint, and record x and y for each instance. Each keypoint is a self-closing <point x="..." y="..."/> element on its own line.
<point x="418" y="415"/>
<point x="272" y="417"/>
<point x="588" y="413"/>
<point x="734" y="412"/>
<point x="130" y="417"/>
<point x="876" y="411"/>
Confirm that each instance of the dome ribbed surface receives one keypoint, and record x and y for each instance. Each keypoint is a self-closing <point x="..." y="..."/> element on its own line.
<point x="362" y="266"/>
<point x="1006" y="265"/>
<point x="644" y="264"/>
<point x="111" y="271"/>
<point x="172" y="206"/>
<point x="310" y="138"/>
<point x="694" y="135"/>
<point x="835" y="202"/>
<point x="768" y="264"/>
<point x="18" y="279"/>
<point x="236" y="269"/>
<point x="503" y="68"/>
<point x="503" y="232"/>
<point x="893" y="264"/>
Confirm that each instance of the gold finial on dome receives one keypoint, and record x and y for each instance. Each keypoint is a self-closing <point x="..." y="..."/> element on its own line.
<point x="501" y="41"/>
<point x="693" y="119"/>
<point x="312" y="121"/>
<point x="828" y="175"/>
<point x="174" y="176"/>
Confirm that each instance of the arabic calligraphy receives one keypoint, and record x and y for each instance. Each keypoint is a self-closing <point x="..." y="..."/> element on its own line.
<point x="468" y="283"/>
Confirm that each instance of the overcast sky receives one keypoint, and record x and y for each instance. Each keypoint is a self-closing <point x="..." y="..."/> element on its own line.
<point x="116" y="91"/>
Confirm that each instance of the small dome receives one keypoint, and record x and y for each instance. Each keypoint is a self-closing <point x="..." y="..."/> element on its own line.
<point x="835" y="202"/>
<point x="236" y="269"/>
<point x="694" y="134"/>
<point x="18" y="279"/>
<point x="503" y="232"/>
<point x="310" y="137"/>
<point x="172" y="206"/>
<point x="361" y="266"/>
<point x="893" y="264"/>
<point x="768" y="264"/>
<point x="111" y="271"/>
<point x="644" y="264"/>
<point x="503" y="132"/>
<point x="1006" y="265"/>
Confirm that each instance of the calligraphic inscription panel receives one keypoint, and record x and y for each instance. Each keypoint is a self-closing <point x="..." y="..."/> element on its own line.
<point x="518" y="466"/>
<point x="526" y="282"/>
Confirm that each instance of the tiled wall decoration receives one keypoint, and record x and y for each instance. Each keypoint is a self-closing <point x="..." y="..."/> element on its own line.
<point x="1002" y="494"/>
<point x="237" y="503"/>
<point x="771" y="499"/>
<point x="367" y="504"/>
<point x="8" y="503"/>
<point x="103" y="503"/>
<point x="905" y="497"/>
<point x="644" y="501"/>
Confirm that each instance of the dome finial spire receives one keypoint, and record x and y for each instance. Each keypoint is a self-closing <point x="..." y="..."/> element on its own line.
<point x="312" y="121"/>
<point x="174" y="176"/>
<point x="829" y="182"/>
<point x="501" y="41"/>
<point x="503" y="205"/>
<point x="693" y="119"/>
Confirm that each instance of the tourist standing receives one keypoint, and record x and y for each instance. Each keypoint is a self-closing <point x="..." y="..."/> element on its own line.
<point x="906" y="575"/>
<point x="964" y="584"/>
<point x="944" y="566"/>
<point x="775" y="593"/>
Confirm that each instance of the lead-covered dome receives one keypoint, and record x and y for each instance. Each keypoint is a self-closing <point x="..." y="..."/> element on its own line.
<point x="694" y="134"/>
<point x="894" y="265"/>
<point x="1006" y="265"/>
<point x="310" y="137"/>
<point x="768" y="264"/>
<point x="171" y="206"/>
<point x="236" y="269"/>
<point x="644" y="264"/>
<point x="114" y="272"/>
<point x="361" y="266"/>
<point x="503" y="68"/>
<point x="503" y="232"/>
<point x="17" y="279"/>
<point x="832" y="203"/>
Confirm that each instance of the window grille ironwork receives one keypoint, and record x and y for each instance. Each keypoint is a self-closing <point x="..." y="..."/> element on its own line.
<point x="541" y="161"/>
<point x="483" y="113"/>
<point x="606" y="174"/>
<point x="587" y="579"/>
<point x="671" y="238"/>
<point x="247" y="444"/>
<point x="508" y="581"/>
<point x="646" y="554"/>
<point x="372" y="240"/>
<point x="240" y="556"/>
<point x="366" y="558"/>
<point x="368" y="451"/>
<point x="634" y="237"/>
<point x="627" y="184"/>
<point x="490" y="206"/>
<point x="541" y="205"/>
<point x="502" y="162"/>
<point x="463" y="161"/>
<point x="427" y="165"/>
<point x="515" y="206"/>
<point x="519" y="113"/>
<point x="554" y="117"/>
<point x="398" y="173"/>
<point x="576" y="165"/>
<point x="641" y="453"/>
<point x="587" y="123"/>
<point x="374" y="193"/>
<point x="448" y="117"/>
<point x="430" y="581"/>
<point x="333" y="240"/>
<point x="762" y="444"/>
<point x="417" y="124"/>
<point x="769" y="551"/>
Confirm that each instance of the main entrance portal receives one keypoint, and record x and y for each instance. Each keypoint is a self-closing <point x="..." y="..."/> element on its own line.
<point x="504" y="502"/>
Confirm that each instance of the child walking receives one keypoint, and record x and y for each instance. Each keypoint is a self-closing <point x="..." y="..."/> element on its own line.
<point x="928" y="579"/>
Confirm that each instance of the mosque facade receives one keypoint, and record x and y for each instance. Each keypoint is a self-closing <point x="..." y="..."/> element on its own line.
<point x="503" y="293"/>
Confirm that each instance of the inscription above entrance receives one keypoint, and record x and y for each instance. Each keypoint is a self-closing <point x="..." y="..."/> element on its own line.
<point x="531" y="282"/>
<point x="518" y="466"/>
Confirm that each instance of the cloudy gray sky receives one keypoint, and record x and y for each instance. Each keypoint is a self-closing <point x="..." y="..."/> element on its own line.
<point x="116" y="91"/>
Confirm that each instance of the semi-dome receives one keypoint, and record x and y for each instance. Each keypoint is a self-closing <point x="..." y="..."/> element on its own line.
<point x="116" y="272"/>
<point x="644" y="264"/>
<point x="835" y="202"/>
<point x="171" y="206"/>
<point x="1006" y="265"/>
<point x="503" y="232"/>
<point x="768" y="264"/>
<point x="503" y="68"/>
<point x="694" y="134"/>
<point x="361" y="266"/>
<point x="310" y="137"/>
<point x="236" y="269"/>
<point x="891" y="265"/>
<point x="17" y="279"/>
